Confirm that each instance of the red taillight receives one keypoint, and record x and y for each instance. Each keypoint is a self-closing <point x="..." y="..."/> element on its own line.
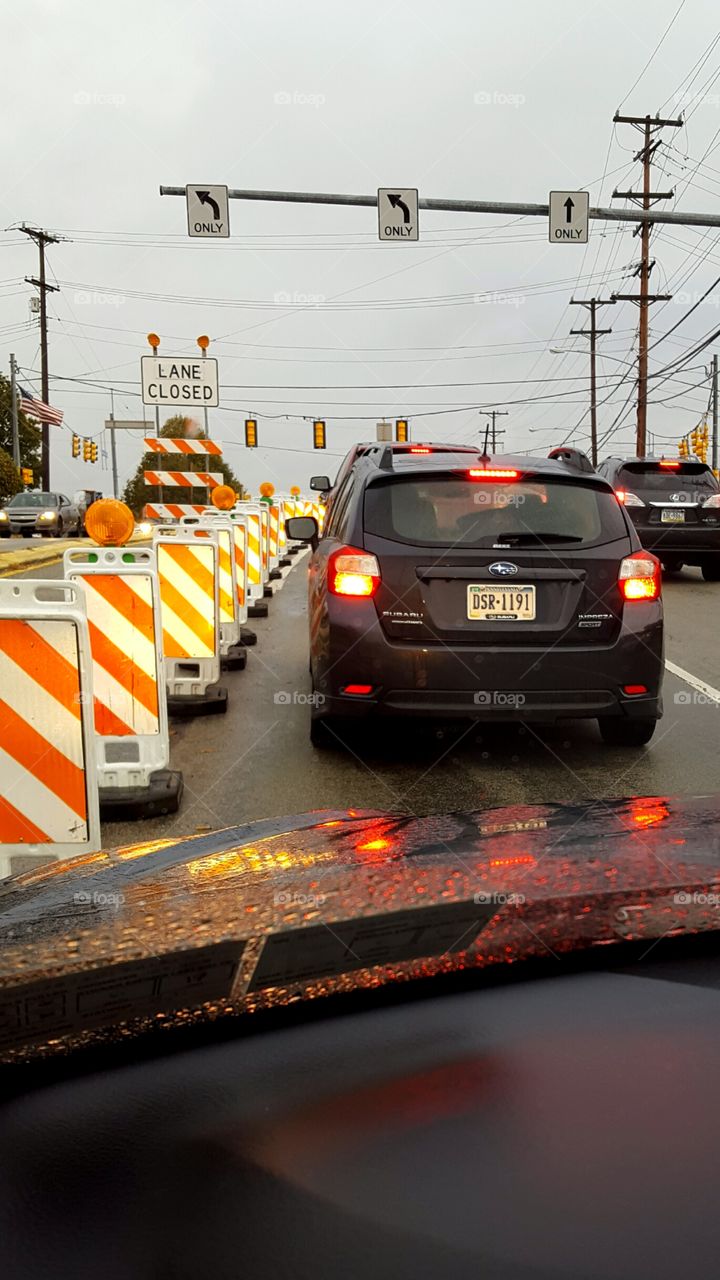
<point x="352" y="572"/>
<point x="633" y="689"/>
<point x="493" y="473"/>
<point x="669" y="462"/>
<point x="357" y="690"/>
<point x="417" y="448"/>
<point x="620" y="495"/>
<point x="639" y="577"/>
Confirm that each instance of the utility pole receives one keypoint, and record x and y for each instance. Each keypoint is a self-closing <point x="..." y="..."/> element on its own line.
<point x="42" y="238"/>
<point x="714" y="414"/>
<point x="492" y="414"/>
<point x="14" y="412"/>
<point x="113" y="449"/>
<point x="592" y="333"/>
<point x="649" y="126"/>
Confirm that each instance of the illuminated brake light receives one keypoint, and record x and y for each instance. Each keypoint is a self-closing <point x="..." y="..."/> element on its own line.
<point x="669" y="462"/>
<point x="352" y="572"/>
<point x="632" y="690"/>
<point x="358" y="690"/>
<point x="493" y="473"/>
<point x="628" y="499"/>
<point x="639" y="577"/>
<point x="416" y="448"/>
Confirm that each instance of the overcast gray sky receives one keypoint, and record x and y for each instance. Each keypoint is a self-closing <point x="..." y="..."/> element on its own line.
<point x="465" y="99"/>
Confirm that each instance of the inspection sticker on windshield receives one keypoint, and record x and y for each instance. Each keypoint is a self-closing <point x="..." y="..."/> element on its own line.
<point x="102" y="997"/>
<point x="489" y="603"/>
<point x="328" y="950"/>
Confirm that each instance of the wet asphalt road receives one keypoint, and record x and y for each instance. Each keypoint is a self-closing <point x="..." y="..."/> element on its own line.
<point x="256" y="761"/>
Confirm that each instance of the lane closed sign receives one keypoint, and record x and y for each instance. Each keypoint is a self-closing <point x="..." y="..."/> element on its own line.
<point x="180" y="380"/>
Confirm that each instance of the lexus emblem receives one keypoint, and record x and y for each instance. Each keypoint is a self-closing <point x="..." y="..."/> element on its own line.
<point x="503" y="569"/>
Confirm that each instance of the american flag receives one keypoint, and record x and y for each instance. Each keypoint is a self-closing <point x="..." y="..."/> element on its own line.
<point x="38" y="410"/>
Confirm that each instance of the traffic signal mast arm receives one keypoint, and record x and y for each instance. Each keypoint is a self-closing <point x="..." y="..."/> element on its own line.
<point x="469" y="206"/>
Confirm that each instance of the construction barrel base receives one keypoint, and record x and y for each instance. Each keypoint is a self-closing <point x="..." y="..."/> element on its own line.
<point x="161" y="796"/>
<point x="235" y="659"/>
<point x="213" y="702"/>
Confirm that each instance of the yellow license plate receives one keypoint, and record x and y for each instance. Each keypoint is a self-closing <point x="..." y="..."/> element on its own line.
<point x="487" y="603"/>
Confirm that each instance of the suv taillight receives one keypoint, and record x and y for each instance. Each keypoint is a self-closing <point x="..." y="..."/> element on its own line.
<point x="628" y="499"/>
<point x="714" y="501"/>
<point x="639" y="577"/>
<point x="352" y="572"/>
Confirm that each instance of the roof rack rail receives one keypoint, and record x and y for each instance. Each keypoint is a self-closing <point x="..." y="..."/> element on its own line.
<point x="572" y="458"/>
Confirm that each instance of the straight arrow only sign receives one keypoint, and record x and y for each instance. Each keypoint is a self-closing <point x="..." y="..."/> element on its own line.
<point x="398" y="213"/>
<point x="569" y="217"/>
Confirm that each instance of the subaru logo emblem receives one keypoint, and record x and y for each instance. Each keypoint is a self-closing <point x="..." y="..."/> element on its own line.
<point x="503" y="569"/>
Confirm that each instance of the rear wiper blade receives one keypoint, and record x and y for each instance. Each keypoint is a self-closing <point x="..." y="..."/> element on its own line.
<point x="516" y="538"/>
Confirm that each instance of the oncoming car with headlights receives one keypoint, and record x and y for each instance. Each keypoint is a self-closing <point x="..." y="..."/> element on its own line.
<point x="452" y="586"/>
<point x="51" y="514"/>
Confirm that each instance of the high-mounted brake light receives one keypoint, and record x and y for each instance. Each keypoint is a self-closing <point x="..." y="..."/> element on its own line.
<point x="493" y="473"/>
<point x="352" y="572"/>
<point x="418" y="448"/>
<point x="640" y="577"/>
<point x="669" y="462"/>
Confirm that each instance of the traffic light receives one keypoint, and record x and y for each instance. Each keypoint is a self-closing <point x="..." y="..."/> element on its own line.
<point x="319" y="435"/>
<point x="683" y="449"/>
<point x="93" y="451"/>
<point x="76" y="446"/>
<point x="86" y="450"/>
<point x="401" y="430"/>
<point x="251" y="437"/>
<point x="26" y="475"/>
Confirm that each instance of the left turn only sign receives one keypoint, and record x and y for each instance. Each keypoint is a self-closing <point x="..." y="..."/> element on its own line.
<point x="208" y="213"/>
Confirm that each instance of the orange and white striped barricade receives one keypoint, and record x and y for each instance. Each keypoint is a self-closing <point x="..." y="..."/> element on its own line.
<point x="240" y="525"/>
<point x="232" y="654"/>
<point x="132" y="744"/>
<point x="283" y="558"/>
<point x="257" y="606"/>
<point x="273" y="541"/>
<point x="187" y="566"/>
<point x="48" y="778"/>
<point x="289" y="510"/>
<point x="265" y="554"/>
<point x="172" y="510"/>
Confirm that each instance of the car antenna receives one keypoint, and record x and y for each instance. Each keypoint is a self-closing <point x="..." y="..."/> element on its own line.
<point x="485" y="456"/>
<point x="385" y="461"/>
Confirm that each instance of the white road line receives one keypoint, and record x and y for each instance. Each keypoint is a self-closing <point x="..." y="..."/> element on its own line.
<point x="706" y="689"/>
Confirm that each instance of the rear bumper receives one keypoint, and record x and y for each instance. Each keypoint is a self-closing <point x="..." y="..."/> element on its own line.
<point x="678" y="540"/>
<point x="486" y="683"/>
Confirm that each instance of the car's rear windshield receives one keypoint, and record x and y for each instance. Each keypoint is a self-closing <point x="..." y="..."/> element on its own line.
<point x="653" y="477"/>
<point x="450" y="511"/>
<point x="33" y="500"/>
